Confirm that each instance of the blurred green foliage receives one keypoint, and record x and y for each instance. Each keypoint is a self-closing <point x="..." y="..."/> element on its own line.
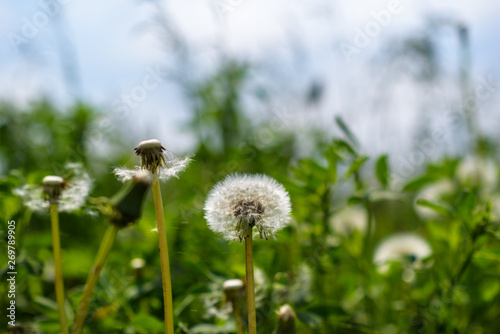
<point x="326" y="275"/>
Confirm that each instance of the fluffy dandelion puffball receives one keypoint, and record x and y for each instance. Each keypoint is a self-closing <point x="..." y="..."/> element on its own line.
<point x="405" y="247"/>
<point x="478" y="171"/>
<point x="69" y="193"/>
<point x="240" y="202"/>
<point x="433" y="193"/>
<point x="348" y="219"/>
<point x="157" y="160"/>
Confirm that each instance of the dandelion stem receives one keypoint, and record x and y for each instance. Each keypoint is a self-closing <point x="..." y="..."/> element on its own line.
<point x="237" y="316"/>
<point x="252" y="321"/>
<point x="59" y="284"/>
<point x="100" y="260"/>
<point x="165" y="265"/>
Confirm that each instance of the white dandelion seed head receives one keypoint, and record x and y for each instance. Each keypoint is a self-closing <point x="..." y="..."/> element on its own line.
<point x="433" y="193"/>
<point x="408" y="248"/>
<point x="478" y="171"/>
<point x="240" y="202"/>
<point x="349" y="219"/>
<point x="72" y="195"/>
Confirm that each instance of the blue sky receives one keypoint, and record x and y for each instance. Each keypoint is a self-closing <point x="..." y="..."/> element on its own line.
<point x="115" y="45"/>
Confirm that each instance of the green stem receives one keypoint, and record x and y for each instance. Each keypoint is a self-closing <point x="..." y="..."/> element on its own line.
<point x="59" y="284"/>
<point x="100" y="260"/>
<point x="368" y="235"/>
<point x="252" y="318"/>
<point x="237" y="315"/>
<point x="164" y="260"/>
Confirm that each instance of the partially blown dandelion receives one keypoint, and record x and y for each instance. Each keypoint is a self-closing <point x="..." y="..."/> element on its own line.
<point x="156" y="159"/>
<point x="52" y="189"/>
<point x="70" y="192"/>
<point x="58" y="194"/>
<point x="238" y="204"/>
<point x="162" y="165"/>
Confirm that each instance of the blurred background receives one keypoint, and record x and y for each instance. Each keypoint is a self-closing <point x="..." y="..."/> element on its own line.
<point x="359" y="108"/>
<point x="391" y="69"/>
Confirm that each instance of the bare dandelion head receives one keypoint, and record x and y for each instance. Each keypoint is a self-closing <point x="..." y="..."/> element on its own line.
<point x="232" y="285"/>
<point x="155" y="159"/>
<point x="137" y="263"/>
<point x="286" y="313"/>
<point x="286" y="320"/>
<point x="233" y="288"/>
<point x="151" y="153"/>
<point x="241" y="202"/>
<point x="69" y="192"/>
<point x="53" y="187"/>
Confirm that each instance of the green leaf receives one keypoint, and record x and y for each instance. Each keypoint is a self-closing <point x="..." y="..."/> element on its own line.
<point x="353" y="200"/>
<point x="466" y="205"/>
<point x="355" y="166"/>
<point x="418" y="183"/>
<point x="33" y="265"/>
<point x="490" y="289"/>
<point x="382" y="171"/>
<point x="310" y="319"/>
<point x="442" y="209"/>
<point x="332" y="159"/>
<point x="46" y="306"/>
<point x="343" y="126"/>
<point x="147" y="324"/>
<point x="341" y="148"/>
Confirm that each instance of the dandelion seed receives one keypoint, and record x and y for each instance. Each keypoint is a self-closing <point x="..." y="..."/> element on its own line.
<point x="240" y="202"/>
<point x="156" y="159"/>
<point x="408" y="248"/>
<point x="70" y="194"/>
